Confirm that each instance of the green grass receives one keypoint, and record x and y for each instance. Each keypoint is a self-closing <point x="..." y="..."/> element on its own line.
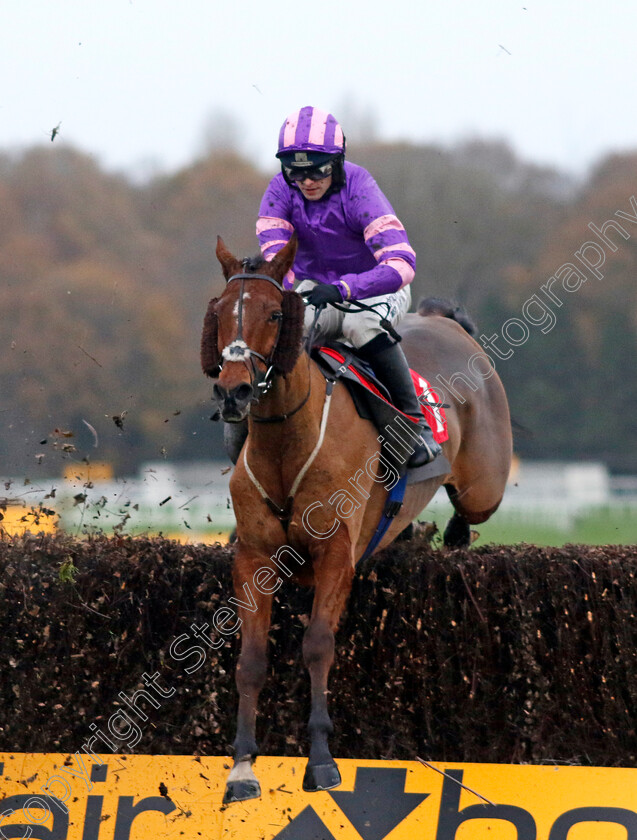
<point x="599" y="526"/>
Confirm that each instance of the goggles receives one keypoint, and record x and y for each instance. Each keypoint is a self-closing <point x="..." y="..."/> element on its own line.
<point x="314" y="173"/>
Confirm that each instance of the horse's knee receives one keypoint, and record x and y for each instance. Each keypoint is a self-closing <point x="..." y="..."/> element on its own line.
<point x="318" y="644"/>
<point x="251" y="670"/>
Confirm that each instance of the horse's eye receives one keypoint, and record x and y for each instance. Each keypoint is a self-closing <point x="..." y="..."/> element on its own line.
<point x="276" y="316"/>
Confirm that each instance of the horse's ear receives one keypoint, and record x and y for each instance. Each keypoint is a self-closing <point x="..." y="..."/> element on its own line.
<point x="288" y="348"/>
<point x="229" y="263"/>
<point x="210" y="357"/>
<point x="284" y="258"/>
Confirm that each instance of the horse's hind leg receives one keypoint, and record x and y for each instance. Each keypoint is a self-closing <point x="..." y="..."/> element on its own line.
<point x="333" y="571"/>
<point x="475" y="498"/>
<point x="481" y="466"/>
<point x="457" y="533"/>
<point x="406" y="534"/>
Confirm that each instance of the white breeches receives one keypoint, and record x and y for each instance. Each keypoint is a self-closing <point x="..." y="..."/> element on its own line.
<point x="355" y="327"/>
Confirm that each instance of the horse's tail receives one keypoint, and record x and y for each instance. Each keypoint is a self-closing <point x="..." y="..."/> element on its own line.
<point x="447" y="309"/>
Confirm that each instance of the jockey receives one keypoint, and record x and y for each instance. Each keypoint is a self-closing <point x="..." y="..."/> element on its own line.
<point x="351" y="247"/>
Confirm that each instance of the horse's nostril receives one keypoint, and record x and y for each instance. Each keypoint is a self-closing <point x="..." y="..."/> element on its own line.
<point x="242" y="392"/>
<point x="218" y="392"/>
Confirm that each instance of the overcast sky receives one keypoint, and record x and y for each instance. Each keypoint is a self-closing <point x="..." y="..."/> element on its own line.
<point x="137" y="82"/>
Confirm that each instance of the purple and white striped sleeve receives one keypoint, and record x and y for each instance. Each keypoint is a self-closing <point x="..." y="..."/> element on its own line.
<point x="386" y="238"/>
<point x="273" y="227"/>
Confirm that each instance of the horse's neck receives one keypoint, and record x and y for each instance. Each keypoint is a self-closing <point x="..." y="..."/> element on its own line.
<point x="298" y="388"/>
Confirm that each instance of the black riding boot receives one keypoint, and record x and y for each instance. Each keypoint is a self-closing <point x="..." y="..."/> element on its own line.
<point x="390" y="365"/>
<point x="234" y="435"/>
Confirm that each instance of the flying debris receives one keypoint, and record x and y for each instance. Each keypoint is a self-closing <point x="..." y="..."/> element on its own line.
<point x="118" y="419"/>
<point x="93" y="432"/>
<point x="62" y="433"/>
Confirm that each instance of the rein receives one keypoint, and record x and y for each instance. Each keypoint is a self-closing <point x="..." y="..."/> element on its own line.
<point x="359" y="306"/>
<point x="239" y="351"/>
<point x="283" y="514"/>
<point x="281" y="418"/>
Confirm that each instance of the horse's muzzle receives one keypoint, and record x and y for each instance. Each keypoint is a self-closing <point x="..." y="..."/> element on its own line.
<point x="234" y="403"/>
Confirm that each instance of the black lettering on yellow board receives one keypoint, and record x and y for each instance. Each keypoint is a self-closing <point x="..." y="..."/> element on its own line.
<point x="307" y="826"/>
<point x="378" y="802"/>
<point x="93" y="818"/>
<point x="450" y="817"/>
<point x="99" y="772"/>
<point x="126" y="812"/>
<point x="619" y="816"/>
<point x="375" y="807"/>
<point x="16" y="805"/>
<point x="163" y="797"/>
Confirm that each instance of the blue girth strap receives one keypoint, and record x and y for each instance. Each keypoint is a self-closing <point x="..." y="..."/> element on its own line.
<point x="392" y="506"/>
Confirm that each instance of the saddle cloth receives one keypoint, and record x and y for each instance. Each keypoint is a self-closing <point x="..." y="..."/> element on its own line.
<point x="343" y="364"/>
<point x="372" y="402"/>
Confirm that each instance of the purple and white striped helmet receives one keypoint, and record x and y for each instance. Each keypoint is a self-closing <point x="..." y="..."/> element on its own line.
<point x="311" y="130"/>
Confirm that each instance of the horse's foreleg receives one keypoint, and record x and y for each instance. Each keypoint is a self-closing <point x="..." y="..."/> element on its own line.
<point x="249" y="677"/>
<point x="333" y="573"/>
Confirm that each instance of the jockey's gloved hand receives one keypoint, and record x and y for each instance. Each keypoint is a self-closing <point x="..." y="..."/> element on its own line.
<point x="323" y="293"/>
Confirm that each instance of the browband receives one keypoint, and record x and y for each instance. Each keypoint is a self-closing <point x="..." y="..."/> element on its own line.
<point x="257" y="277"/>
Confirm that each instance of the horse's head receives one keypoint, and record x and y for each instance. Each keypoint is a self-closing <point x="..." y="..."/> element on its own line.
<point x="252" y="331"/>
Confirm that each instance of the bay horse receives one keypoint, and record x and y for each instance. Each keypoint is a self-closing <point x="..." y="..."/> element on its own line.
<point x="292" y="486"/>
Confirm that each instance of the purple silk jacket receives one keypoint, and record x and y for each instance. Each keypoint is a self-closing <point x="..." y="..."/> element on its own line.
<point x="351" y="238"/>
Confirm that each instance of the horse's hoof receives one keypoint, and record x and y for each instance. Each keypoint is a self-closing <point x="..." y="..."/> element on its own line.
<point x="241" y="790"/>
<point x="321" y="777"/>
<point x="457" y="533"/>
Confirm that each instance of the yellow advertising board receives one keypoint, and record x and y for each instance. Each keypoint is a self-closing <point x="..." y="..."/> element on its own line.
<point x="137" y="797"/>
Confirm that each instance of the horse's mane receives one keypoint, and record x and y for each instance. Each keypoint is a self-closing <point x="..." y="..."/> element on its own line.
<point x="251" y="264"/>
<point x="447" y="309"/>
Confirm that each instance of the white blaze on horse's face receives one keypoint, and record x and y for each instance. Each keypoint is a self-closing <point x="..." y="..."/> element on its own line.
<point x="235" y="311"/>
<point x="248" y="329"/>
<point x="237" y="350"/>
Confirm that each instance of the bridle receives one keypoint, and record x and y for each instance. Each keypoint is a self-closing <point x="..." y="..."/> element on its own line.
<point x="239" y="351"/>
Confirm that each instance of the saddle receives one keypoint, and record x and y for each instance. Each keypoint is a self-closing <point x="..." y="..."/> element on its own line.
<point x="339" y="361"/>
